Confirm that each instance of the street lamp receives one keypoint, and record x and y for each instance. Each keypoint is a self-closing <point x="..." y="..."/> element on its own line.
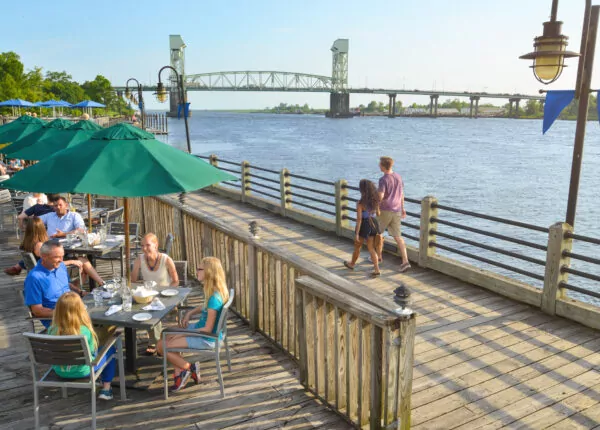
<point x="129" y="95"/>
<point x="548" y="59"/>
<point x="161" y="96"/>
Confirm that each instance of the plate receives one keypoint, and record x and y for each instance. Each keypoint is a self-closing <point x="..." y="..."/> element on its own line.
<point x="169" y="292"/>
<point x="142" y="317"/>
<point x="100" y="246"/>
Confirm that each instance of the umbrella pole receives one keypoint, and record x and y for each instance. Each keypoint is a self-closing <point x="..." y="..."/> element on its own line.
<point x="89" y="204"/>
<point x="127" y="245"/>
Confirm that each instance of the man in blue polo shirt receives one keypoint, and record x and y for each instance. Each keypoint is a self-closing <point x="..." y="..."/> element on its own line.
<point x="47" y="282"/>
<point x="62" y="221"/>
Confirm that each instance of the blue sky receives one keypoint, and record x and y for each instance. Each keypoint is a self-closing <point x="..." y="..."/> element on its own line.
<point x="464" y="45"/>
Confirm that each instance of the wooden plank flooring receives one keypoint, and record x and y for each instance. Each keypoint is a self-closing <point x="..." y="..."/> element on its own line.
<point x="481" y="360"/>
<point x="262" y="390"/>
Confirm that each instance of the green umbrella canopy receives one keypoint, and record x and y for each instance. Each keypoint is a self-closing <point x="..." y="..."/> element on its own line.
<point x="51" y="144"/>
<point x="119" y="161"/>
<point x="19" y="128"/>
<point x="48" y="130"/>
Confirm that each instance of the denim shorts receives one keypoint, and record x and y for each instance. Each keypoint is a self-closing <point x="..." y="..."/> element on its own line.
<point x="200" y="343"/>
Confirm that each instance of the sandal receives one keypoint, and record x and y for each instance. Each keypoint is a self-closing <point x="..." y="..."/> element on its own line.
<point x="151" y="350"/>
<point x="376" y="274"/>
<point x="348" y="265"/>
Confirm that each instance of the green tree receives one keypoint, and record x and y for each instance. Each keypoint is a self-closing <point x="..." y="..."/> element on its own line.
<point x="11" y="75"/>
<point x="532" y="108"/>
<point x="372" y="106"/>
<point x="60" y="86"/>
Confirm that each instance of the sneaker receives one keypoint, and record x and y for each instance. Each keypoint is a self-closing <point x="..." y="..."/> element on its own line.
<point x="181" y="380"/>
<point x="106" y="394"/>
<point x="194" y="369"/>
<point x="12" y="271"/>
<point x="404" y="267"/>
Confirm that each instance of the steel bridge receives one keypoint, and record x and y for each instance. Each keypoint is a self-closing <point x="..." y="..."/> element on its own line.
<point x="277" y="81"/>
<point x="336" y="84"/>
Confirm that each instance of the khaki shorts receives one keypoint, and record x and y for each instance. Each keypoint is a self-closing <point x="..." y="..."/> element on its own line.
<point x="391" y="221"/>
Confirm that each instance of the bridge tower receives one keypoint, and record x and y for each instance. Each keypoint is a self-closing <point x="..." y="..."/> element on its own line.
<point x="177" y="58"/>
<point x="339" y="99"/>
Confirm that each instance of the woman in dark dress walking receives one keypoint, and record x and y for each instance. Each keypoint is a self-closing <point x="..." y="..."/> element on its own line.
<point x="367" y="228"/>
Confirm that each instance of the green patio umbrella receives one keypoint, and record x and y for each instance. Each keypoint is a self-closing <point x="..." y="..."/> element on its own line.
<point x="61" y="139"/>
<point x="19" y="128"/>
<point x="48" y="130"/>
<point x="119" y="161"/>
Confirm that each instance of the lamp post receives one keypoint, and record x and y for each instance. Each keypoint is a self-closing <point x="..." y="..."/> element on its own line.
<point x="161" y="96"/>
<point x="140" y="99"/>
<point x="548" y="63"/>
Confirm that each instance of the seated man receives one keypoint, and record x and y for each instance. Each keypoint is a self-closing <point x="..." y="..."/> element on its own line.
<point x="38" y="210"/>
<point x="62" y="220"/>
<point x="47" y="282"/>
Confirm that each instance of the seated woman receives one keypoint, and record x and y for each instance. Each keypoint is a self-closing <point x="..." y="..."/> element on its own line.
<point x="160" y="268"/>
<point x="215" y="295"/>
<point x="71" y="318"/>
<point x="33" y="239"/>
<point x="34" y="199"/>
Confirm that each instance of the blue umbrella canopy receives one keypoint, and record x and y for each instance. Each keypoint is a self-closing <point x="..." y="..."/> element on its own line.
<point x="65" y="104"/>
<point x="50" y="103"/>
<point x="16" y="103"/>
<point x="89" y="104"/>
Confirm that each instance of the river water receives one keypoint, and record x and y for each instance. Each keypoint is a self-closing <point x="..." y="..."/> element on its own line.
<point x="500" y="167"/>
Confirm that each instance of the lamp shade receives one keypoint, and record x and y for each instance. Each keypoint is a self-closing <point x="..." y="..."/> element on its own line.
<point x="550" y="53"/>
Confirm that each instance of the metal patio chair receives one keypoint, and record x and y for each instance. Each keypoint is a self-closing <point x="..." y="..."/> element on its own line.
<point x="69" y="351"/>
<point x="221" y="328"/>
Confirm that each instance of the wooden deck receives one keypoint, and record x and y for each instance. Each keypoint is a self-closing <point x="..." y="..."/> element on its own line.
<point x="481" y="360"/>
<point x="262" y="391"/>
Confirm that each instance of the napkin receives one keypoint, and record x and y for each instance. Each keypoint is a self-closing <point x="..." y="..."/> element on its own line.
<point x="108" y="294"/>
<point x="113" y="309"/>
<point x="155" y="305"/>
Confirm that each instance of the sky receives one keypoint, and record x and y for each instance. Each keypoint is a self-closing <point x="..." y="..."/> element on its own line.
<point x="459" y="45"/>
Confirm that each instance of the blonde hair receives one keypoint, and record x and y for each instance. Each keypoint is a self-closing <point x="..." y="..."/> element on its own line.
<point x="70" y="314"/>
<point x="386" y="162"/>
<point x="214" y="279"/>
<point x="151" y="237"/>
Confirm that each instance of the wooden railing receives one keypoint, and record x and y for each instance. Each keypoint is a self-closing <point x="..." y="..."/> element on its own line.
<point x="354" y="353"/>
<point x="523" y="261"/>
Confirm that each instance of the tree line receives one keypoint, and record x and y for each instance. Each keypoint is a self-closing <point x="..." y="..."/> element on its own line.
<point x="38" y="85"/>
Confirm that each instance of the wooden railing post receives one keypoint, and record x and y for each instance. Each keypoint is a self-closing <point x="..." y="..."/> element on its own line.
<point x="341" y="206"/>
<point x="285" y="186"/>
<point x="252" y="287"/>
<point x="213" y="160"/>
<point x="376" y="398"/>
<point x="301" y="327"/>
<point x="427" y="229"/>
<point x="405" y="370"/>
<point x="245" y="180"/>
<point x="555" y="260"/>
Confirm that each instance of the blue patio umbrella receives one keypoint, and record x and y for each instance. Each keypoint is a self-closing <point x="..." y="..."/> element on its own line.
<point x="17" y="103"/>
<point x="52" y="104"/>
<point x="89" y="104"/>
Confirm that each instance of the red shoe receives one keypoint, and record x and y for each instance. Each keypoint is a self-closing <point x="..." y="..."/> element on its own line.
<point x="13" y="271"/>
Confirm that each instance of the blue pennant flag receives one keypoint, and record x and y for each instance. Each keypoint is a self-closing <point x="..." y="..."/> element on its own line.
<point x="187" y="110"/>
<point x="556" y="101"/>
<point x="178" y="111"/>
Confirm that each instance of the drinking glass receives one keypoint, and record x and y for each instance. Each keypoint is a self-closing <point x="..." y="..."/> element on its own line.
<point x="127" y="299"/>
<point x="97" y="293"/>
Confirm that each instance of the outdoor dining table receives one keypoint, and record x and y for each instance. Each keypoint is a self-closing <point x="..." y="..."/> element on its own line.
<point x="125" y="319"/>
<point x="94" y="251"/>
